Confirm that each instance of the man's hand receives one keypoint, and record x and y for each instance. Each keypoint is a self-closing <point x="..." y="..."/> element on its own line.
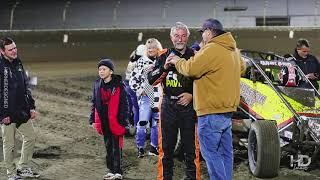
<point x="184" y="99"/>
<point x="6" y="120"/>
<point x="171" y="60"/>
<point x="33" y="113"/>
<point x="311" y="76"/>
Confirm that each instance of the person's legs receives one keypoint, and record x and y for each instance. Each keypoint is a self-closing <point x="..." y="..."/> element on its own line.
<point x="154" y="129"/>
<point x="188" y="144"/>
<point x="117" y="154"/>
<point x="187" y="121"/>
<point x="144" y="115"/>
<point x="29" y="139"/>
<point x="210" y="128"/>
<point x="133" y="102"/>
<point x="226" y="147"/>
<point x="8" y="135"/>
<point x="109" y="156"/>
<point x="135" y="107"/>
<point x="168" y="138"/>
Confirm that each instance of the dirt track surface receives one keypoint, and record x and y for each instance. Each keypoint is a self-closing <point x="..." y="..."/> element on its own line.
<point x="68" y="149"/>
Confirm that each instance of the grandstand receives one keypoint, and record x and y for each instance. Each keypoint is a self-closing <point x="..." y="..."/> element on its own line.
<point x="93" y="14"/>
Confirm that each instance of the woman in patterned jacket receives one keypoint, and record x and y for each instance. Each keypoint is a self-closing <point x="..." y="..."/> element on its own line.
<point x="148" y="96"/>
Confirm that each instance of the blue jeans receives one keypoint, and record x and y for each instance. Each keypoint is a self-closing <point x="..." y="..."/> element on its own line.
<point x="145" y="114"/>
<point x="215" y="138"/>
<point x="133" y="103"/>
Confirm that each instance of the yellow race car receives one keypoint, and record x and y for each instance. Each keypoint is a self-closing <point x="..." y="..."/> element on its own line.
<point x="276" y="117"/>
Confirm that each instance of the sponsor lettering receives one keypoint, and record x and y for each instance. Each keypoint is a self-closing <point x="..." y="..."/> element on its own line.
<point x="250" y="95"/>
<point x="5" y="88"/>
<point x="275" y="63"/>
<point x="173" y="83"/>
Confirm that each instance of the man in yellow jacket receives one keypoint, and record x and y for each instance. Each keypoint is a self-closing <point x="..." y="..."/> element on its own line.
<point x="216" y="69"/>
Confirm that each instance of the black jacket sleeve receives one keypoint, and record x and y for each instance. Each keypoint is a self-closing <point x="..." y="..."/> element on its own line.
<point x="93" y="101"/>
<point x="123" y="111"/>
<point x="31" y="101"/>
<point x="317" y="68"/>
<point x="156" y="75"/>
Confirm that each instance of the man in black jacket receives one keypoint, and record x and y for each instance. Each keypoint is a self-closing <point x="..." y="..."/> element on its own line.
<point x="307" y="63"/>
<point x="16" y="108"/>
<point x="176" y="110"/>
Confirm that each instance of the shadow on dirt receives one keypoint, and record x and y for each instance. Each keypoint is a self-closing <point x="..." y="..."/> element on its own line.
<point x="51" y="152"/>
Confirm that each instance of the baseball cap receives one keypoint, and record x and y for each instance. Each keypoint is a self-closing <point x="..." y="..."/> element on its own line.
<point x="211" y="23"/>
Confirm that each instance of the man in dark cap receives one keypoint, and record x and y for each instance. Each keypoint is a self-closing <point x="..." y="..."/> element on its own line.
<point x="216" y="71"/>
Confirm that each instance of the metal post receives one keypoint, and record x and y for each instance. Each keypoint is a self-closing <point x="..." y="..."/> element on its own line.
<point x="316" y="11"/>
<point x="64" y="12"/>
<point x="265" y="12"/>
<point x="214" y="8"/>
<point x="115" y="11"/>
<point x="12" y="13"/>
<point x="164" y="13"/>
<point x="164" y="10"/>
<point x="288" y="13"/>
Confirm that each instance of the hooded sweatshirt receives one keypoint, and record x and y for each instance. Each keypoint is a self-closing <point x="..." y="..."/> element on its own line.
<point x="216" y="71"/>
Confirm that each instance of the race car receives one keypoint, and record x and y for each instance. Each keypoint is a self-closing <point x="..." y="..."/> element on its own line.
<point x="276" y="118"/>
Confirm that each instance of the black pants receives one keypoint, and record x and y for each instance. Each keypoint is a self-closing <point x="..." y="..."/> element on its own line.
<point x="114" y="153"/>
<point x="174" y="116"/>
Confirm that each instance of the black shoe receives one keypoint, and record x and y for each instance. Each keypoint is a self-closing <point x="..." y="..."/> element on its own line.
<point x="153" y="151"/>
<point x="140" y="153"/>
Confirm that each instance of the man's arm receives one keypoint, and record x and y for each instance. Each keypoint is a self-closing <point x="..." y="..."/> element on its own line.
<point x="158" y="73"/>
<point x="31" y="101"/>
<point x="195" y="67"/>
<point x="29" y="98"/>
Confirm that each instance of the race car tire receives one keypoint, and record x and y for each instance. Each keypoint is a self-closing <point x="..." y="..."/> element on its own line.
<point x="264" y="149"/>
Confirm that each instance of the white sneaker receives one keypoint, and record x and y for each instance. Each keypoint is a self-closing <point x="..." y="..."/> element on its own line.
<point x="27" y="172"/>
<point x="108" y="176"/>
<point x="117" y="176"/>
<point x="14" y="177"/>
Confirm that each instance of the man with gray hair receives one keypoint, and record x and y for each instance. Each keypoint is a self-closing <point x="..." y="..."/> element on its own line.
<point x="176" y="111"/>
<point x="216" y="69"/>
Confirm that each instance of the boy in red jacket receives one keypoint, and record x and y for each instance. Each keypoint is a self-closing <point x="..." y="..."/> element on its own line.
<point x="109" y="114"/>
